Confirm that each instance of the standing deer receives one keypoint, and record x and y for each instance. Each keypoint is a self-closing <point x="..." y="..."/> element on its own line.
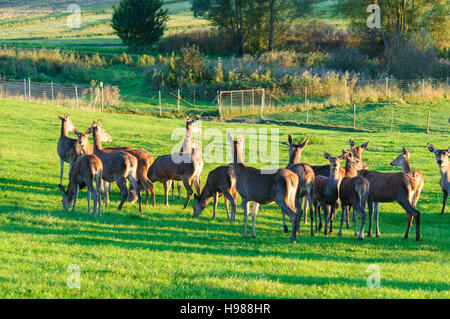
<point x="117" y="166"/>
<point x="68" y="148"/>
<point x="403" y="161"/>
<point x="84" y="171"/>
<point x="391" y="187"/>
<point x="444" y="169"/>
<point x="263" y="188"/>
<point x="353" y="191"/>
<point x="191" y="129"/>
<point x="326" y="191"/>
<point x="220" y="181"/>
<point x="182" y="166"/>
<point x="305" y="179"/>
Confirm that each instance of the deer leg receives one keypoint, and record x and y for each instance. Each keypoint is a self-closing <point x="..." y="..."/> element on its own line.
<point x="245" y="205"/>
<point x="99" y="195"/>
<point x="216" y="200"/>
<point x="172" y="186"/>
<point x="227" y="206"/>
<point x="179" y="189"/>
<point x="294" y="217"/>
<point x="89" y="200"/>
<point x="232" y="200"/>
<point x="354" y="222"/>
<point x="197" y="185"/>
<point x="135" y="187"/>
<point x="305" y="209"/>
<point x="371" y="206"/>
<point x="166" y="185"/>
<point x="122" y="184"/>
<point x="408" y="225"/>
<point x="61" y="162"/>
<point x="187" y="185"/>
<point x="357" y="208"/>
<point x="377" y="219"/>
<point x="326" y="217"/>
<point x="348" y="216"/>
<point x="254" y="211"/>
<point x="444" y="201"/>
<point x="77" y="190"/>
<point x="319" y="209"/>
<point x="344" y="211"/>
<point x="413" y="212"/>
<point x="310" y="206"/>
<point x="92" y="193"/>
<point x="284" y="222"/>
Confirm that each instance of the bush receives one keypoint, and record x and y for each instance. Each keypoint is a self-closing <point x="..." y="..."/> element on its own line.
<point x="347" y="60"/>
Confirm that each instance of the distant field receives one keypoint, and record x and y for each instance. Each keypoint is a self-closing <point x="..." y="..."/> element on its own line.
<point x="165" y="253"/>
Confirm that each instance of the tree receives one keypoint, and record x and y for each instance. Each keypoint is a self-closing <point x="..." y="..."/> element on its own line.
<point x="399" y="18"/>
<point x="254" y="24"/>
<point x="139" y="23"/>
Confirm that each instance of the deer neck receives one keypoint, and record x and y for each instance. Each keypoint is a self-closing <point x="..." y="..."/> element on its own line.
<point x="350" y="171"/>
<point x="334" y="176"/>
<point x="97" y="142"/>
<point x="445" y="172"/>
<point x="406" y="168"/>
<point x="64" y="129"/>
<point x="187" y="144"/>
<point x="238" y="162"/>
<point x="205" y="197"/>
<point x="294" y="158"/>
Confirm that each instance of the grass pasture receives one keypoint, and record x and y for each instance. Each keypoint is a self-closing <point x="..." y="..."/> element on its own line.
<point x="165" y="253"/>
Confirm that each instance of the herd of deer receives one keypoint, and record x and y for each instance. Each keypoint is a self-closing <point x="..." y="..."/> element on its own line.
<point x="321" y="187"/>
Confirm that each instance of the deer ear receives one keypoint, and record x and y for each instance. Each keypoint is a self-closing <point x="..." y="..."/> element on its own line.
<point x="99" y="123"/>
<point x="61" y="189"/>
<point x="342" y="157"/>
<point x="404" y="151"/>
<point x="431" y="148"/>
<point x="351" y="142"/>
<point x="327" y="156"/>
<point x="230" y="139"/>
<point x="364" y="146"/>
<point x="290" y="139"/>
<point x="241" y="138"/>
<point x="305" y="141"/>
<point x="284" y="143"/>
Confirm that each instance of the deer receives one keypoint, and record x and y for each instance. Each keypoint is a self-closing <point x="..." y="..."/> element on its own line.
<point x="305" y="175"/>
<point x="391" y="187"/>
<point x="68" y="148"/>
<point x="444" y="169"/>
<point x="220" y="181"/>
<point x="85" y="170"/>
<point x="145" y="161"/>
<point x="263" y="188"/>
<point x="192" y="128"/>
<point x="118" y="166"/>
<point x="326" y="191"/>
<point x="181" y="166"/>
<point x="403" y="161"/>
<point x="353" y="191"/>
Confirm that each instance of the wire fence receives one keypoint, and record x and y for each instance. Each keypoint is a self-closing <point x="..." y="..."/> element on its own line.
<point x="313" y="103"/>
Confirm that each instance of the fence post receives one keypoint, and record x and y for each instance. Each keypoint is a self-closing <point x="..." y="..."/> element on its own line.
<point x="354" y="116"/>
<point x="194" y="96"/>
<point x="103" y="98"/>
<point x="242" y="102"/>
<point x="253" y="98"/>
<point x="428" y="121"/>
<point x="387" y="88"/>
<point x="345" y="91"/>
<point x="53" y="92"/>
<point x="160" y="106"/>
<point x="423" y="88"/>
<point x="29" y="89"/>
<point x="307" y="111"/>
<point x="25" y="89"/>
<point x="446" y="87"/>
<point x="262" y="102"/>
<point x="392" y="120"/>
<point x="178" y="102"/>
<point x="76" y="97"/>
<point x="220" y="103"/>
<point x="306" y="95"/>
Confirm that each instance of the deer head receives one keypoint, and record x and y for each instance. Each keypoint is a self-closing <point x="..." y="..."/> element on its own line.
<point x="67" y="123"/>
<point x="335" y="162"/>
<point x="295" y="150"/>
<point x="67" y="198"/>
<point x="237" y="147"/>
<point x="355" y="162"/>
<point x="401" y="159"/>
<point x="441" y="155"/>
<point x="198" y="207"/>
<point x="357" y="151"/>
<point x="104" y="135"/>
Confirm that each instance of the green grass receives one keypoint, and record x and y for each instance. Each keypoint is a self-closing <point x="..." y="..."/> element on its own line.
<point x="165" y="253"/>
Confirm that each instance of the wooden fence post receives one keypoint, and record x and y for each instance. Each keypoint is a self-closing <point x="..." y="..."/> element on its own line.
<point x="428" y="121"/>
<point x="103" y="98"/>
<point x="160" y="103"/>
<point x="76" y="97"/>
<point x="262" y="102"/>
<point x="392" y="119"/>
<point x="53" y="92"/>
<point x="306" y="95"/>
<point x="387" y="87"/>
<point x="29" y="89"/>
<point x="178" y="102"/>
<point x="219" y="94"/>
<point x="307" y="112"/>
<point x="25" y="89"/>
<point x="354" y="116"/>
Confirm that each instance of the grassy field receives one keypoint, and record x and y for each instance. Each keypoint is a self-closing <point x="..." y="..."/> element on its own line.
<point x="165" y="253"/>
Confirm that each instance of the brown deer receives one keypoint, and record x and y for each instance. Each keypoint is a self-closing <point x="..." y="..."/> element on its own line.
<point x="220" y="181"/>
<point x="403" y="161"/>
<point x="191" y="129"/>
<point x="181" y="166"/>
<point x="85" y="170"/>
<point x="353" y="191"/>
<point x="117" y="166"/>
<point x="391" y="187"/>
<point x="326" y="191"/>
<point x="305" y="179"/>
<point x="145" y="161"/>
<point x="444" y="169"/>
<point x="68" y="149"/>
<point x="263" y="188"/>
